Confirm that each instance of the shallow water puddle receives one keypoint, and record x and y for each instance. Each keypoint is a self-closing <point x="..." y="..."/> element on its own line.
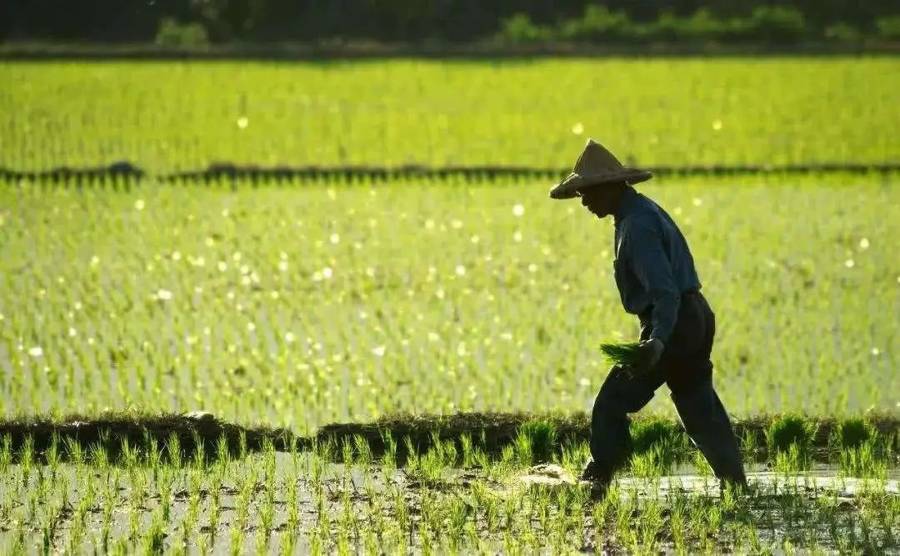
<point x="769" y="481"/>
<point x="822" y="480"/>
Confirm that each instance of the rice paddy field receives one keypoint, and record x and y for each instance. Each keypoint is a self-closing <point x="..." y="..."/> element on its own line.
<point x="453" y="326"/>
<point x="658" y="111"/>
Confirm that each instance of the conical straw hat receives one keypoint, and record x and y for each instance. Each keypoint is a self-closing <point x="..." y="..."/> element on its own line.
<point x="596" y="166"/>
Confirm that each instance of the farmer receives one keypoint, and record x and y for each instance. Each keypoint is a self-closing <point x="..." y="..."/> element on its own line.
<point x="657" y="281"/>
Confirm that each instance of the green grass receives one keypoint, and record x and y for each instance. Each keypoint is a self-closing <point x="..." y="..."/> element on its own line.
<point x="301" y="305"/>
<point x="538" y="440"/>
<point x="790" y="431"/>
<point x="174" y="115"/>
<point x="853" y="433"/>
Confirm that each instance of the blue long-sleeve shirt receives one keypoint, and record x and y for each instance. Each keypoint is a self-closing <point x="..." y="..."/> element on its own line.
<point x="653" y="265"/>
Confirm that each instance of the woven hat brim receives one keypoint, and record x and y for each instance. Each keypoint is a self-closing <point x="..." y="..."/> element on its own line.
<point x="574" y="183"/>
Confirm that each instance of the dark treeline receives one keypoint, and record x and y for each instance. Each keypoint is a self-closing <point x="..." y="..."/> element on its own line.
<point x="265" y="21"/>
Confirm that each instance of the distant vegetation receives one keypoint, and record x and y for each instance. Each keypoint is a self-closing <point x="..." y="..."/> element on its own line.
<point x="763" y="25"/>
<point x="198" y="22"/>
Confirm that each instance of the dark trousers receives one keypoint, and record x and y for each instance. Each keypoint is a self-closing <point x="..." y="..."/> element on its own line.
<point x="686" y="368"/>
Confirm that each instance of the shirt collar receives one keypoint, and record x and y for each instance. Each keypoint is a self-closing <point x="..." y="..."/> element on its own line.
<point x="628" y="205"/>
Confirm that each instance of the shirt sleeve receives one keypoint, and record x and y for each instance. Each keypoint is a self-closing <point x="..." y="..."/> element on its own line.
<point x="652" y="269"/>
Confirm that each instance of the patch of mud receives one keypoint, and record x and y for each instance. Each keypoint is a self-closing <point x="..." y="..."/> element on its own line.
<point x="548" y="474"/>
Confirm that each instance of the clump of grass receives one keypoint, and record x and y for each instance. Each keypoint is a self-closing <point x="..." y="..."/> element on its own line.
<point x="792" y="460"/>
<point x="537" y="441"/>
<point x="654" y="463"/>
<point x="750" y="443"/>
<point x="790" y="430"/>
<point x="655" y="431"/>
<point x="852" y="433"/>
<point x="656" y="446"/>
<point x="701" y="465"/>
<point x="863" y="462"/>
<point x="624" y="354"/>
<point x="573" y="454"/>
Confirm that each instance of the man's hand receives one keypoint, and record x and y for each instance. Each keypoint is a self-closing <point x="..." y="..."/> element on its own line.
<point x="649" y="353"/>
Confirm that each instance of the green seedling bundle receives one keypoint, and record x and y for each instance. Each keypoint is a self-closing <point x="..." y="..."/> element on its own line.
<point x="623" y="354"/>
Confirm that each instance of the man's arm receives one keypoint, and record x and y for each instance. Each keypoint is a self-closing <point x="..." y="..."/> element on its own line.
<point x="653" y="270"/>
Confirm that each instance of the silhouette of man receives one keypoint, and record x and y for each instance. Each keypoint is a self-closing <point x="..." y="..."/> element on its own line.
<point x="657" y="281"/>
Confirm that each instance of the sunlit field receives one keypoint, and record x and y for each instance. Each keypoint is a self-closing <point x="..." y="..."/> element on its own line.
<point x="166" y="116"/>
<point x="414" y="359"/>
<point x="302" y="304"/>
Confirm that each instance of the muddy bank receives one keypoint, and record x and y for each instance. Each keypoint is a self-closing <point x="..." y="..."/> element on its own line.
<point x="492" y="432"/>
<point x="203" y="434"/>
<point x="194" y="434"/>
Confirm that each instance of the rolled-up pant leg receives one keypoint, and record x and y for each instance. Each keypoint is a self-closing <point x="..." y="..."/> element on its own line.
<point x="620" y="395"/>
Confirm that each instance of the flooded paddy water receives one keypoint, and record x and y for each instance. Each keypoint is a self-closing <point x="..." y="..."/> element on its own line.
<point x="285" y="503"/>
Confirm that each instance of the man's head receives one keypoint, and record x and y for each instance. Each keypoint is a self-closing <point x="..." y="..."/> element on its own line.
<point x="603" y="200"/>
<point x="597" y="168"/>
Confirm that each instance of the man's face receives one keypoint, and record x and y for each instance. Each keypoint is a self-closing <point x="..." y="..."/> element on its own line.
<point x="599" y="200"/>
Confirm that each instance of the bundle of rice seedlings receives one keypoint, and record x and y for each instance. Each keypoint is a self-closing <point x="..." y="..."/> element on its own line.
<point x="625" y="354"/>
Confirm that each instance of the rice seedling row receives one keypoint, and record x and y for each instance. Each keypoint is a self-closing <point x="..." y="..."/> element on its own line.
<point x="297" y="306"/>
<point x="178" y="116"/>
<point x="294" y="501"/>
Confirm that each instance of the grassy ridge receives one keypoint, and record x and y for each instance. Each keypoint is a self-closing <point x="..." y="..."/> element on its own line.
<point x="175" y="116"/>
<point x="400" y="435"/>
<point x="763" y="436"/>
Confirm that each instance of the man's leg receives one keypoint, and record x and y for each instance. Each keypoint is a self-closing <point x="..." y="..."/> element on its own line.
<point x="620" y="395"/>
<point x="706" y="422"/>
<point x="689" y="376"/>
